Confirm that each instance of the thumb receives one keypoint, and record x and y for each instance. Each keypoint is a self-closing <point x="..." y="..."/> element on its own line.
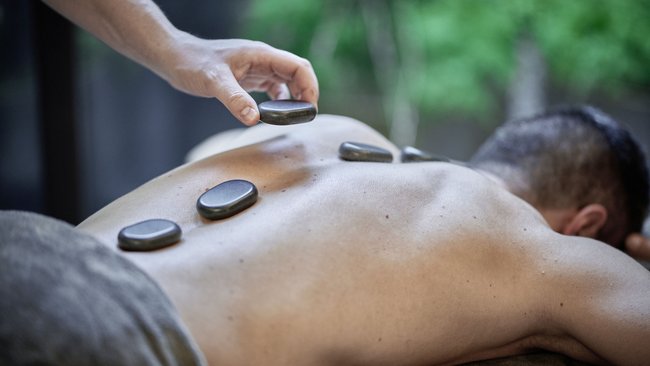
<point x="236" y="99"/>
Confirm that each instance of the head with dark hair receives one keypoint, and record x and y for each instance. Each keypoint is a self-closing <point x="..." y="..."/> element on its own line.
<point x="572" y="158"/>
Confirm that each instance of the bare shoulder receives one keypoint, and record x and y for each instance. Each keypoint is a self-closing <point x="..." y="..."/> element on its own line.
<point x="598" y="296"/>
<point x="325" y="127"/>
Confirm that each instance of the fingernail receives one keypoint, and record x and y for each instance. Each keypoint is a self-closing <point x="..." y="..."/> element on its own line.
<point x="248" y="115"/>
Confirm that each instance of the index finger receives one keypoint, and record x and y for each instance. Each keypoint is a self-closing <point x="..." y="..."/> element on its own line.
<point x="299" y="75"/>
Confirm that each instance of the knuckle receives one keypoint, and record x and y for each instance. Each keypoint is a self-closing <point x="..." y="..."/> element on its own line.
<point x="237" y="97"/>
<point x="211" y="79"/>
<point x="304" y="63"/>
<point x="261" y="44"/>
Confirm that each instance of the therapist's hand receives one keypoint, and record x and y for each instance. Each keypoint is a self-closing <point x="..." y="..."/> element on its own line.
<point x="222" y="69"/>
<point x="229" y="69"/>
<point x="638" y="246"/>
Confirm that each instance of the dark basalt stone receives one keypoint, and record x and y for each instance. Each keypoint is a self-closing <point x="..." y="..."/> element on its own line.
<point x="410" y="154"/>
<point x="286" y="112"/>
<point x="355" y="151"/>
<point x="227" y="199"/>
<point x="149" y="235"/>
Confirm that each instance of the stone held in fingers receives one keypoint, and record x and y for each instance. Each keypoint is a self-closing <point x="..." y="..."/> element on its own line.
<point x="149" y="235"/>
<point x="356" y="151"/>
<point x="227" y="199"/>
<point x="410" y="154"/>
<point x="286" y="112"/>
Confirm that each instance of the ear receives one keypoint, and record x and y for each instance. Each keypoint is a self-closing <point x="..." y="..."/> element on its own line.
<point x="587" y="221"/>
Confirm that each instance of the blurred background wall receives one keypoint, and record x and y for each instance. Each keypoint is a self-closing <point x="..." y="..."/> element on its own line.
<point x="440" y="75"/>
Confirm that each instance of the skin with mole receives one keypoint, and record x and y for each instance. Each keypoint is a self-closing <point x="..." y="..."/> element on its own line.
<point x="428" y="263"/>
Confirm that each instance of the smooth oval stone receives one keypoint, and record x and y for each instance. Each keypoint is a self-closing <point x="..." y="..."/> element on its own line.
<point x="149" y="235"/>
<point x="410" y="154"/>
<point x="286" y="112"/>
<point x="356" y="151"/>
<point x="227" y="199"/>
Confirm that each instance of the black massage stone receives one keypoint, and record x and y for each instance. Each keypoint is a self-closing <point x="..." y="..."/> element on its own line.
<point x="286" y="112"/>
<point x="410" y="154"/>
<point x="149" y="235"/>
<point x="227" y="199"/>
<point x="355" y="151"/>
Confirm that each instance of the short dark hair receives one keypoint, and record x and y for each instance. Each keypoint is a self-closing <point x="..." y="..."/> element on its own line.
<point x="573" y="156"/>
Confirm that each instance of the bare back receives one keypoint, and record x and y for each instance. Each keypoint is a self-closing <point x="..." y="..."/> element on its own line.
<point x="359" y="263"/>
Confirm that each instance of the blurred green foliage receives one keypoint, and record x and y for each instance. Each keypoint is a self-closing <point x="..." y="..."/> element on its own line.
<point x="459" y="55"/>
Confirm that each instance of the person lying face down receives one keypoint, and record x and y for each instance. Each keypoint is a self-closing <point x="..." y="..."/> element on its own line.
<point x="343" y="262"/>
<point x="581" y="169"/>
